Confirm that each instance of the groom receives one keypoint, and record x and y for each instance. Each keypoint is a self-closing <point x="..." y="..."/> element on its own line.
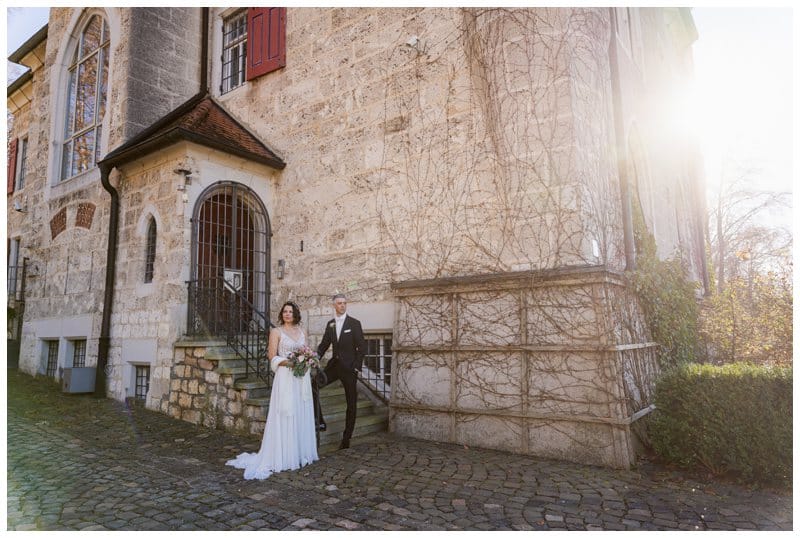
<point x="344" y="332"/>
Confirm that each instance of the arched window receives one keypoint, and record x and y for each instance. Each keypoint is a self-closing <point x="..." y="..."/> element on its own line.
<point x="150" y="254"/>
<point x="86" y="99"/>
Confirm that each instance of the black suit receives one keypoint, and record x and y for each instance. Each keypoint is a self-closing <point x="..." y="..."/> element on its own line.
<point x="348" y="355"/>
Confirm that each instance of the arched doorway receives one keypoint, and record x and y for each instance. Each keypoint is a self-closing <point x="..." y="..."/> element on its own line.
<point x="229" y="291"/>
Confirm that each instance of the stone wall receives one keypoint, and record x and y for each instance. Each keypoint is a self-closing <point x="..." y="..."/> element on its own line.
<point x="153" y="315"/>
<point x="162" y="63"/>
<point x="201" y="395"/>
<point x="553" y="364"/>
<point x="412" y="149"/>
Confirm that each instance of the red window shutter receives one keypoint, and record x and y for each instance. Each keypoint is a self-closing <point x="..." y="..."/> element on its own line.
<point x="266" y="40"/>
<point x="12" y="164"/>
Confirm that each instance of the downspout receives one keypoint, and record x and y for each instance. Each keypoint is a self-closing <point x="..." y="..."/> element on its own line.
<point x="104" y="343"/>
<point x="204" y="53"/>
<point x="108" y="297"/>
<point x="619" y="131"/>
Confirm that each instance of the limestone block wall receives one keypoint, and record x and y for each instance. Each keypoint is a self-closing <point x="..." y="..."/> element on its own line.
<point x="430" y="142"/>
<point x="152" y="316"/>
<point x="146" y="318"/>
<point x="201" y="395"/>
<point x="552" y="364"/>
<point x="161" y="63"/>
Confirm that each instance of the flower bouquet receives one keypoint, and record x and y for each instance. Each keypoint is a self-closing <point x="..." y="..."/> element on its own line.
<point x="302" y="360"/>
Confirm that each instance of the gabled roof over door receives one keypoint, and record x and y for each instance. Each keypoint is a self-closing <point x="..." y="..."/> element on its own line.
<point x="201" y="120"/>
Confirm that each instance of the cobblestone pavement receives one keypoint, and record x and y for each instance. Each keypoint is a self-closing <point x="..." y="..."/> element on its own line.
<point x="75" y="462"/>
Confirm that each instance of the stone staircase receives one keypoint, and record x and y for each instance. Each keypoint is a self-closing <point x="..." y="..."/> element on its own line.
<point x="371" y="416"/>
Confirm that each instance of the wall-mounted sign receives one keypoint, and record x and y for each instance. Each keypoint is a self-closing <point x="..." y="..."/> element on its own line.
<point x="233" y="280"/>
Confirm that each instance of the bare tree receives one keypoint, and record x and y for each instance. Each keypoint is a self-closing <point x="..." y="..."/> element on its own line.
<point x="736" y="232"/>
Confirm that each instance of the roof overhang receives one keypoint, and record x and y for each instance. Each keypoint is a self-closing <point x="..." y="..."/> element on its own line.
<point x="31" y="53"/>
<point x="180" y="125"/>
<point x="20" y="92"/>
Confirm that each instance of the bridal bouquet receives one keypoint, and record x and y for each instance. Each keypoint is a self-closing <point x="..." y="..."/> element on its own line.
<point x="303" y="359"/>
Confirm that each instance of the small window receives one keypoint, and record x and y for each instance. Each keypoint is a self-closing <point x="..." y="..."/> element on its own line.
<point x="253" y="44"/>
<point x="150" y="254"/>
<point x="14" y="269"/>
<point x="234" y="51"/>
<point x="377" y="368"/>
<point x="79" y="354"/>
<point x="23" y="163"/>
<point x="52" y="358"/>
<point x="142" y="382"/>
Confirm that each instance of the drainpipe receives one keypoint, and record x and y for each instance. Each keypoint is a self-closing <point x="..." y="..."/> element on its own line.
<point x="619" y="131"/>
<point x="204" y="53"/>
<point x="111" y="255"/>
<point x="108" y="297"/>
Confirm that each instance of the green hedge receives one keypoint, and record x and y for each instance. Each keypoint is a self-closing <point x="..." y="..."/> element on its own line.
<point x="733" y="419"/>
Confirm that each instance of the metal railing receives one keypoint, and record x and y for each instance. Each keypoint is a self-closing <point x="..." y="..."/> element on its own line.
<point x="16" y="282"/>
<point x="217" y="309"/>
<point x="376" y="371"/>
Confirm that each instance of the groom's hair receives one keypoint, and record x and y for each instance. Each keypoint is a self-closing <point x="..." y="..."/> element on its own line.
<point x="339" y="296"/>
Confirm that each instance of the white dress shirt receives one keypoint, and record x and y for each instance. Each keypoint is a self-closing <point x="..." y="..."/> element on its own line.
<point x="339" y="323"/>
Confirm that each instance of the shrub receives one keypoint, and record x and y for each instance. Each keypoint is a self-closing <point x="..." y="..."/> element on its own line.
<point x="735" y="418"/>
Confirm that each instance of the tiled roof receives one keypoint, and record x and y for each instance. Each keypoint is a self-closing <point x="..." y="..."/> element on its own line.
<point x="200" y="120"/>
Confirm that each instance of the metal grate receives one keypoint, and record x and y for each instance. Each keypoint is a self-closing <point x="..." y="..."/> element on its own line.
<point x="230" y="257"/>
<point x="150" y="253"/>
<point x="79" y="354"/>
<point x="52" y="358"/>
<point x="234" y="51"/>
<point x="376" y="371"/>
<point x="23" y="164"/>
<point x="142" y="382"/>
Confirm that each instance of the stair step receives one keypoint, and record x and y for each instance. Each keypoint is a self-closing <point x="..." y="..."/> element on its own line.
<point x="364" y="426"/>
<point x="231" y="363"/>
<point x="221" y="354"/>
<point x="235" y="371"/>
<point x="331" y="410"/>
<point x="249" y="383"/>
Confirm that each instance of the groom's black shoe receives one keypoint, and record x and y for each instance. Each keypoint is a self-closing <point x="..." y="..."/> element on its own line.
<point x="322" y="427"/>
<point x="345" y="444"/>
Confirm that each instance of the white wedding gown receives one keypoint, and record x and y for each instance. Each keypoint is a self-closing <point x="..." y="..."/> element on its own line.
<point x="289" y="441"/>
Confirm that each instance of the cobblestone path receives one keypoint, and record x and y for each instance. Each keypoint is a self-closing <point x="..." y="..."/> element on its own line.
<point x="75" y="462"/>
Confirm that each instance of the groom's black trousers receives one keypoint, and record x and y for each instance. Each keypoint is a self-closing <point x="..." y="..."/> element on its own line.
<point x="347" y="376"/>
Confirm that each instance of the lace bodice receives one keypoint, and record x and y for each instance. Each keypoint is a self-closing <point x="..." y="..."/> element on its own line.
<point x="287" y="344"/>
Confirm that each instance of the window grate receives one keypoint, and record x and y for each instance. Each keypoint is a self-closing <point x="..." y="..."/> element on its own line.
<point x="52" y="358"/>
<point x="142" y="382"/>
<point x="231" y="241"/>
<point x="79" y="354"/>
<point x="234" y="51"/>
<point x="150" y="254"/>
<point x="377" y="368"/>
<point x="23" y="164"/>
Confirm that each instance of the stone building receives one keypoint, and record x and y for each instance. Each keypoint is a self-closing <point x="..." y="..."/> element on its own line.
<point x="470" y="178"/>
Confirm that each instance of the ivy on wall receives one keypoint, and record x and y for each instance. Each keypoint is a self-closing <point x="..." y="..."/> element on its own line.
<point x="667" y="297"/>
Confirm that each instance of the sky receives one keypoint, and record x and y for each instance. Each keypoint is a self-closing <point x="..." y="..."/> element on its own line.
<point x="743" y="82"/>
<point x="742" y="104"/>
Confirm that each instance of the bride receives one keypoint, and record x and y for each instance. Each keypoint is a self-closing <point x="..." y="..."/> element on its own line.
<point x="289" y="440"/>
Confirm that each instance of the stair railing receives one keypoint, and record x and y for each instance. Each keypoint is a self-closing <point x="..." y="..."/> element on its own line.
<point x="217" y="309"/>
<point x="376" y="381"/>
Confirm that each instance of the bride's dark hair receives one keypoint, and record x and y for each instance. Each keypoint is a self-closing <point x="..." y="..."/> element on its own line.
<point x="296" y="317"/>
